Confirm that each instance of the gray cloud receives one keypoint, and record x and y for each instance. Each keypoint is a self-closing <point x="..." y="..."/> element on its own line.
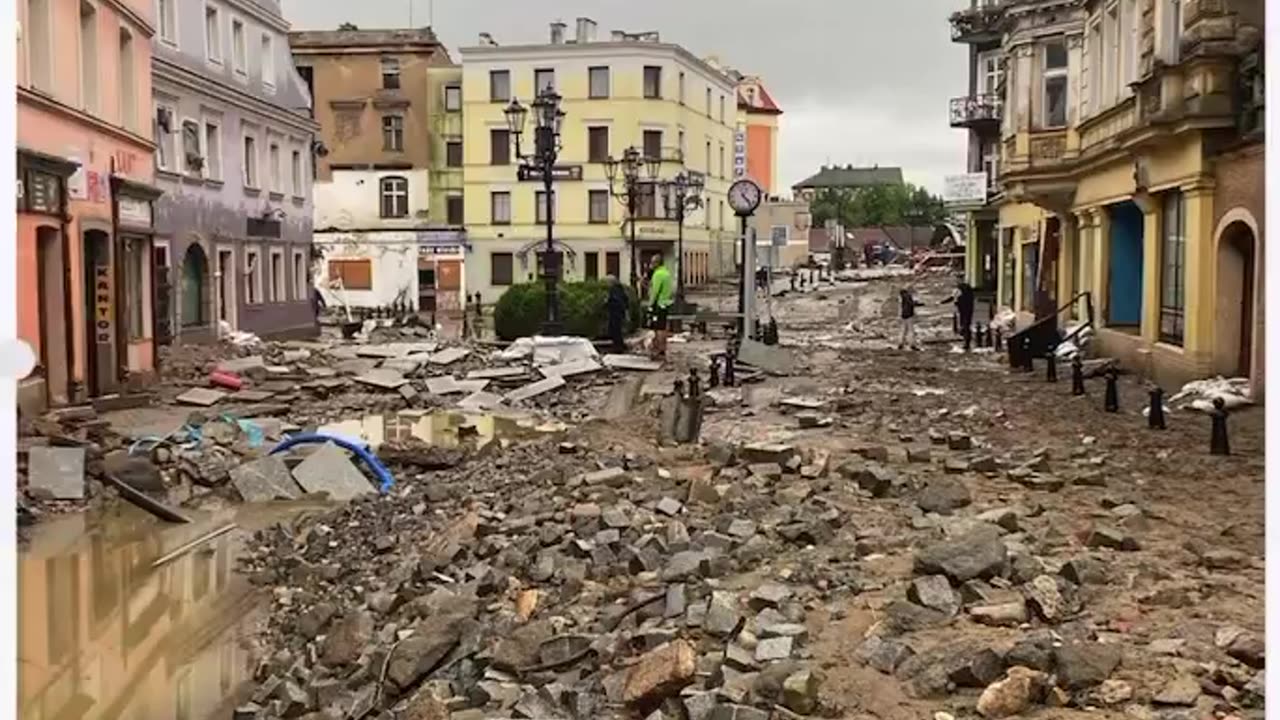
<point x="859" y="81"/>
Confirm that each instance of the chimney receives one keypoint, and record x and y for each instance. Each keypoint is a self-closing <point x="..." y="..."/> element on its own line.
<point x="586" y="30"/>
<point x="486" y="40"/>
<point x="557" y="33"/>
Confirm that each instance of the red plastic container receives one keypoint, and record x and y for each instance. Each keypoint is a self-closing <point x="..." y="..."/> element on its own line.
<point x="226" y="380"/>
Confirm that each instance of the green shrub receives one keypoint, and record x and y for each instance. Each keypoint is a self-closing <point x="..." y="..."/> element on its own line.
<point x="522" y="309"/>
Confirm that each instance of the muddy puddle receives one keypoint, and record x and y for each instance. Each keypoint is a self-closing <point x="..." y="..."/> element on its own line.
<point x="441" y="429"/>
<point x="104" y="635"/>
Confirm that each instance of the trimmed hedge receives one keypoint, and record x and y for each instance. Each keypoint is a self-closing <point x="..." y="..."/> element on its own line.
<point x="522" y="308"/>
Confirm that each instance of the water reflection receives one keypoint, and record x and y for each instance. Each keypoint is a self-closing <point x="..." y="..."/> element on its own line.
<point x="442" y="429"/>
<point x="103" y="636"/>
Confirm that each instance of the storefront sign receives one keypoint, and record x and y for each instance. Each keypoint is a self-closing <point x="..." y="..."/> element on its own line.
<point x="967" y="189"/>
<point x="651" y="230"/>
<point x="133" y="212"/>
<point x="42" y="189"/>
<point x="439" y="250"/>
<point x="102" y="301"/>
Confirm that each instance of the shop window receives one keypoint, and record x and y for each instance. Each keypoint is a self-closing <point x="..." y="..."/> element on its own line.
<point x="1173" y="279"/>
<point x="135" y="272"/>
<point x="500" y="268"/>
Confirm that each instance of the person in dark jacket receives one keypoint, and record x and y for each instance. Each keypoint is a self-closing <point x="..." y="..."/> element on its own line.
<point x="964" y="300"/>
<point x="616" y="309"/>
<point x="907" y="311"/>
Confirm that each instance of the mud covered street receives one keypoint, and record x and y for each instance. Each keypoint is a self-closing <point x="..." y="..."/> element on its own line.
<point x="878" y="533"/>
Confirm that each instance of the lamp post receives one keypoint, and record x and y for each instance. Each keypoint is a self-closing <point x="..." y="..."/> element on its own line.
<point x="540" y="164"/>
<point x="683" y="193"/>
<point x="626" y="185"/>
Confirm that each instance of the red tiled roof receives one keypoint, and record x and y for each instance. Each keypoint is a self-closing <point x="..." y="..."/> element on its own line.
<point x="765" y="102"/>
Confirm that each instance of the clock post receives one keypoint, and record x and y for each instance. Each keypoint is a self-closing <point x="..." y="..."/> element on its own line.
<point x="744" y="198"/>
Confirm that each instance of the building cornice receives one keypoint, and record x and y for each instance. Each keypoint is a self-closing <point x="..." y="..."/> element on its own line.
<point x="259" y="13"/>
<point x="48" y="103"/>
<point x="499" y="53"/>
<point x="169" y="71"/>
<point x="121" y="8"/>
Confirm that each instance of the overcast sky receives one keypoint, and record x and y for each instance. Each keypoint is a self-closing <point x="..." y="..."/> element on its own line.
<point x="860" y="81"/>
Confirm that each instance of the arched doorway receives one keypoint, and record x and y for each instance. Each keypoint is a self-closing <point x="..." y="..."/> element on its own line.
<point x="1236" y="299"/>
<point x="194" y="287"/>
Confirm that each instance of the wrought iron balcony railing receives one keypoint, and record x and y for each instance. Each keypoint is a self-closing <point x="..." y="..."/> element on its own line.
<point x="974" y="109"/>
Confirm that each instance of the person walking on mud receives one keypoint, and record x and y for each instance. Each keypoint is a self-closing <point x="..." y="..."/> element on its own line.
<point x="616" y="310"/>
<point x="907" y="313"/>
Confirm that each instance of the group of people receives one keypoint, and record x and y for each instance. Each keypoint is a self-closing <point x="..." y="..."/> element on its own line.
<point x="659" y="294"/>
<point x="964" y="300"/>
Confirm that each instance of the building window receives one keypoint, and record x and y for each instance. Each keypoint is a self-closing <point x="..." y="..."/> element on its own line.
<point x="212" y="35"/>
<point x="653" y="143"/>
<point x="680" y="146"/>
<point x="1129" y="28"/>
<point x="390" y="73"/>
<point x="128" y="82"/>
<point x="1173" y="278"/>
<point x="599" y="82"/>
<point x="453" y="153"/>
<point x="499" y="85"/>
<point x="212" y="150"/>
<point x="252" y="277"/>
<point x="1055" y="84"/>
<point x="295" y="173"/>
<point x="500" y="268"/>
<point x="540" y="203"/>
<point x="268" y="62"/>
<point x="135" y="273"/>
<point x="250" y="162"/>
<point x="394" y="192"/>
<point x="1030" y="271"/>
<point x="646" y="202"/>
<point x="393" y="133"/>
<point x="500" y="208"/>
<point x="88" y="57"/>
<point x="454" y="209"/>
<point x="681" y="89"/>
<point x="708" y="102"/>
<point x="352" y="274"/>
<point x="299" y="275"/>
<point x="239" y="50"/>
<point x="722" y="160"/>
<point x="652" y="82"/>
<point x="277" y="276"/>
<point x="988" y="72"/>
<point x="598" y="206"/>
<point x="1008" y="268"/>
<point x="1111" y="56"/>
<point x="273" y="159"/>
<point x="39" y="42"/>
<point x="544" y="80"/>
<point x="613" y="264"/>
<point x="708" y="157"/>
<point x="193" y="161"/>
<point x="499" y="147"/>
<point x="164" y="137"/>
<point x="1171" y="30"/>
<point x="1093" y="74"/>
<point x="721" y="109"/>
<point x="591" y="266"/>
<point x="453" y="98"/>
<point x="597" y="144"/>
<point x="166" y="20"/>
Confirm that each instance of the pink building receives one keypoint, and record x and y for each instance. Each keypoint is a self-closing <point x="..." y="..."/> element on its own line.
<point x="85" y="197"/>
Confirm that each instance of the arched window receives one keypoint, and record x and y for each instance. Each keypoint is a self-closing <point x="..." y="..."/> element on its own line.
<point x="394" y="192"/>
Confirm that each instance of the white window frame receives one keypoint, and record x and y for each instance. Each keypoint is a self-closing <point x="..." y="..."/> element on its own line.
<point x="543" y="72"/>
<point x="213" y="47"/>
<point x="279" y="289"/>
<point x="212" y="170"/>
<point x="396" y="134"/>
<point x="1047" y="74"/>
<point x="254" y="162"/>
<point x="390" y="63"/>
<point x="1094" y="44"/>
<point x="1129" y="45"/>
<point x="454" y="92"/>
<point x="593" y="73"/>
<point x="267" y="45"/>
<point x="495" y="217"/>
<point x="240" y="49"/>
<point x="165" y="140"/>
<point x="988" y="72"/>
<point x="299" y="271"/>
<point x="295" y="171"/>
<point x="722" y="109"/>
<point x="681" y="80"/>
<point x="540" y="207"/>
<point x="90" y="103"/>
<point x="169" y="35"/>
<point x="1110" y="54"/>
<point x="275" y="164"/>
<point x="253" y="276"/>
<point x="387" y="189"/>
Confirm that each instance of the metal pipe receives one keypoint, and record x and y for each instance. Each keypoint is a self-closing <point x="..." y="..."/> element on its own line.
<point x="188" y="547"/>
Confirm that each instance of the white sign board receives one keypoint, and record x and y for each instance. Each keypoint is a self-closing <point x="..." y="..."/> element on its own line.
<point x="970" y="188"/>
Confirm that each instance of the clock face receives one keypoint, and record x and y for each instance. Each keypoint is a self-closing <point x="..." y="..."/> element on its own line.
<point x="744" y="197"/>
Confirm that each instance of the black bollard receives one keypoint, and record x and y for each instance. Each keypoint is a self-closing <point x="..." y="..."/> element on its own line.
<point x="1029" y="361"/>
<point x="714" y="371"/>
<point x="793" y="282"/>
<point x="695" y="383"/>
<point x="729" y="373"/>
<point x="1218" y="443"/>
<point x="1077" y="376"/>
<point x="1111" y="400"/>
<point x="1051" y="367"/>
<point x="1155" y="413"/>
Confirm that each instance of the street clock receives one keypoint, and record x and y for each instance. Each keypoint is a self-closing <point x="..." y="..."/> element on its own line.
<point x="744" y="197"/>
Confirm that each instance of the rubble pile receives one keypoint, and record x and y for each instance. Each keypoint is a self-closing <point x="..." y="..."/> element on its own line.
<point x="555" y="581"/>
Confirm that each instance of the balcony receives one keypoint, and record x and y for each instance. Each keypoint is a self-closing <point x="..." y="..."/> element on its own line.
<point x="979" y="24"/>
<point x="976" y="110"/>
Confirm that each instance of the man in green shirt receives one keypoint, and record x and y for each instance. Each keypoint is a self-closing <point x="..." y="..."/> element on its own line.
<point x="661" y="297"/>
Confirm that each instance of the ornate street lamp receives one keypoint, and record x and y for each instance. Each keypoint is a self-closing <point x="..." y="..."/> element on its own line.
<point x="626" y="185"/>
<point x="540" y="164"/>
<point x="682" y="194"/>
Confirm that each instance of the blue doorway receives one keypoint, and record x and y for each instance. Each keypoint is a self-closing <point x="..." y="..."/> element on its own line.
<point x="1124" y="284"/>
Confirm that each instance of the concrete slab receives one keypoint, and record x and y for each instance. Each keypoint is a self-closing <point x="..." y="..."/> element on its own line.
<point x="264" y="480"/>
<point x="384" y="378"/>
<point x="631" y="362"/>
<point x="251" y="395"/>
<point x="385" y="351"/>
<point x="358" y="366"/>
<point x="448" y="356"/>
<point x="571" y="368"/>
<point x="204" y="397"/>
<point x="534" y="389"/>
<point x="328" y="470"/>
<point x="56" y="471"/>
<point x="322" y="372"/>
<point x="480" y="400"/>
<point x="497" y="373"/>
<point x="240" y="365"/>
<point x="442" y="385"/>
<point x="622" y="398"/>
<point x="404" y="366"/>
<point x="770" y="358"/>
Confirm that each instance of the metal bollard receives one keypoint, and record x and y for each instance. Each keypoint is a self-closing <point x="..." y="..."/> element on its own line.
<point x="793" y="283"/>
<point x="1051" y="367"/>
<point x="1111" y="400"/>
<point x="729" y="373"/>
<point x="1218" y="442"/>
<point x="1028" y="360"/>
<point x="1155" y="413"/>
<point x="679" y="389"/>
<point x="695" y="383"/>
<point x="714" y="371"/>
<point x="1077" y="376"/>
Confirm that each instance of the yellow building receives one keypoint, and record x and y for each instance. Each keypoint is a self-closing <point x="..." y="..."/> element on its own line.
<point x="630" y="90"/>
<point x="1115" y="115"/>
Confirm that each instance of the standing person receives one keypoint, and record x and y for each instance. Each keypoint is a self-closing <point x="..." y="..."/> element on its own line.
<point x="616" y="310"/>
<point x="660" y="298"/>
<point x="907" y="301"/>
<point x="964" y="301"/>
